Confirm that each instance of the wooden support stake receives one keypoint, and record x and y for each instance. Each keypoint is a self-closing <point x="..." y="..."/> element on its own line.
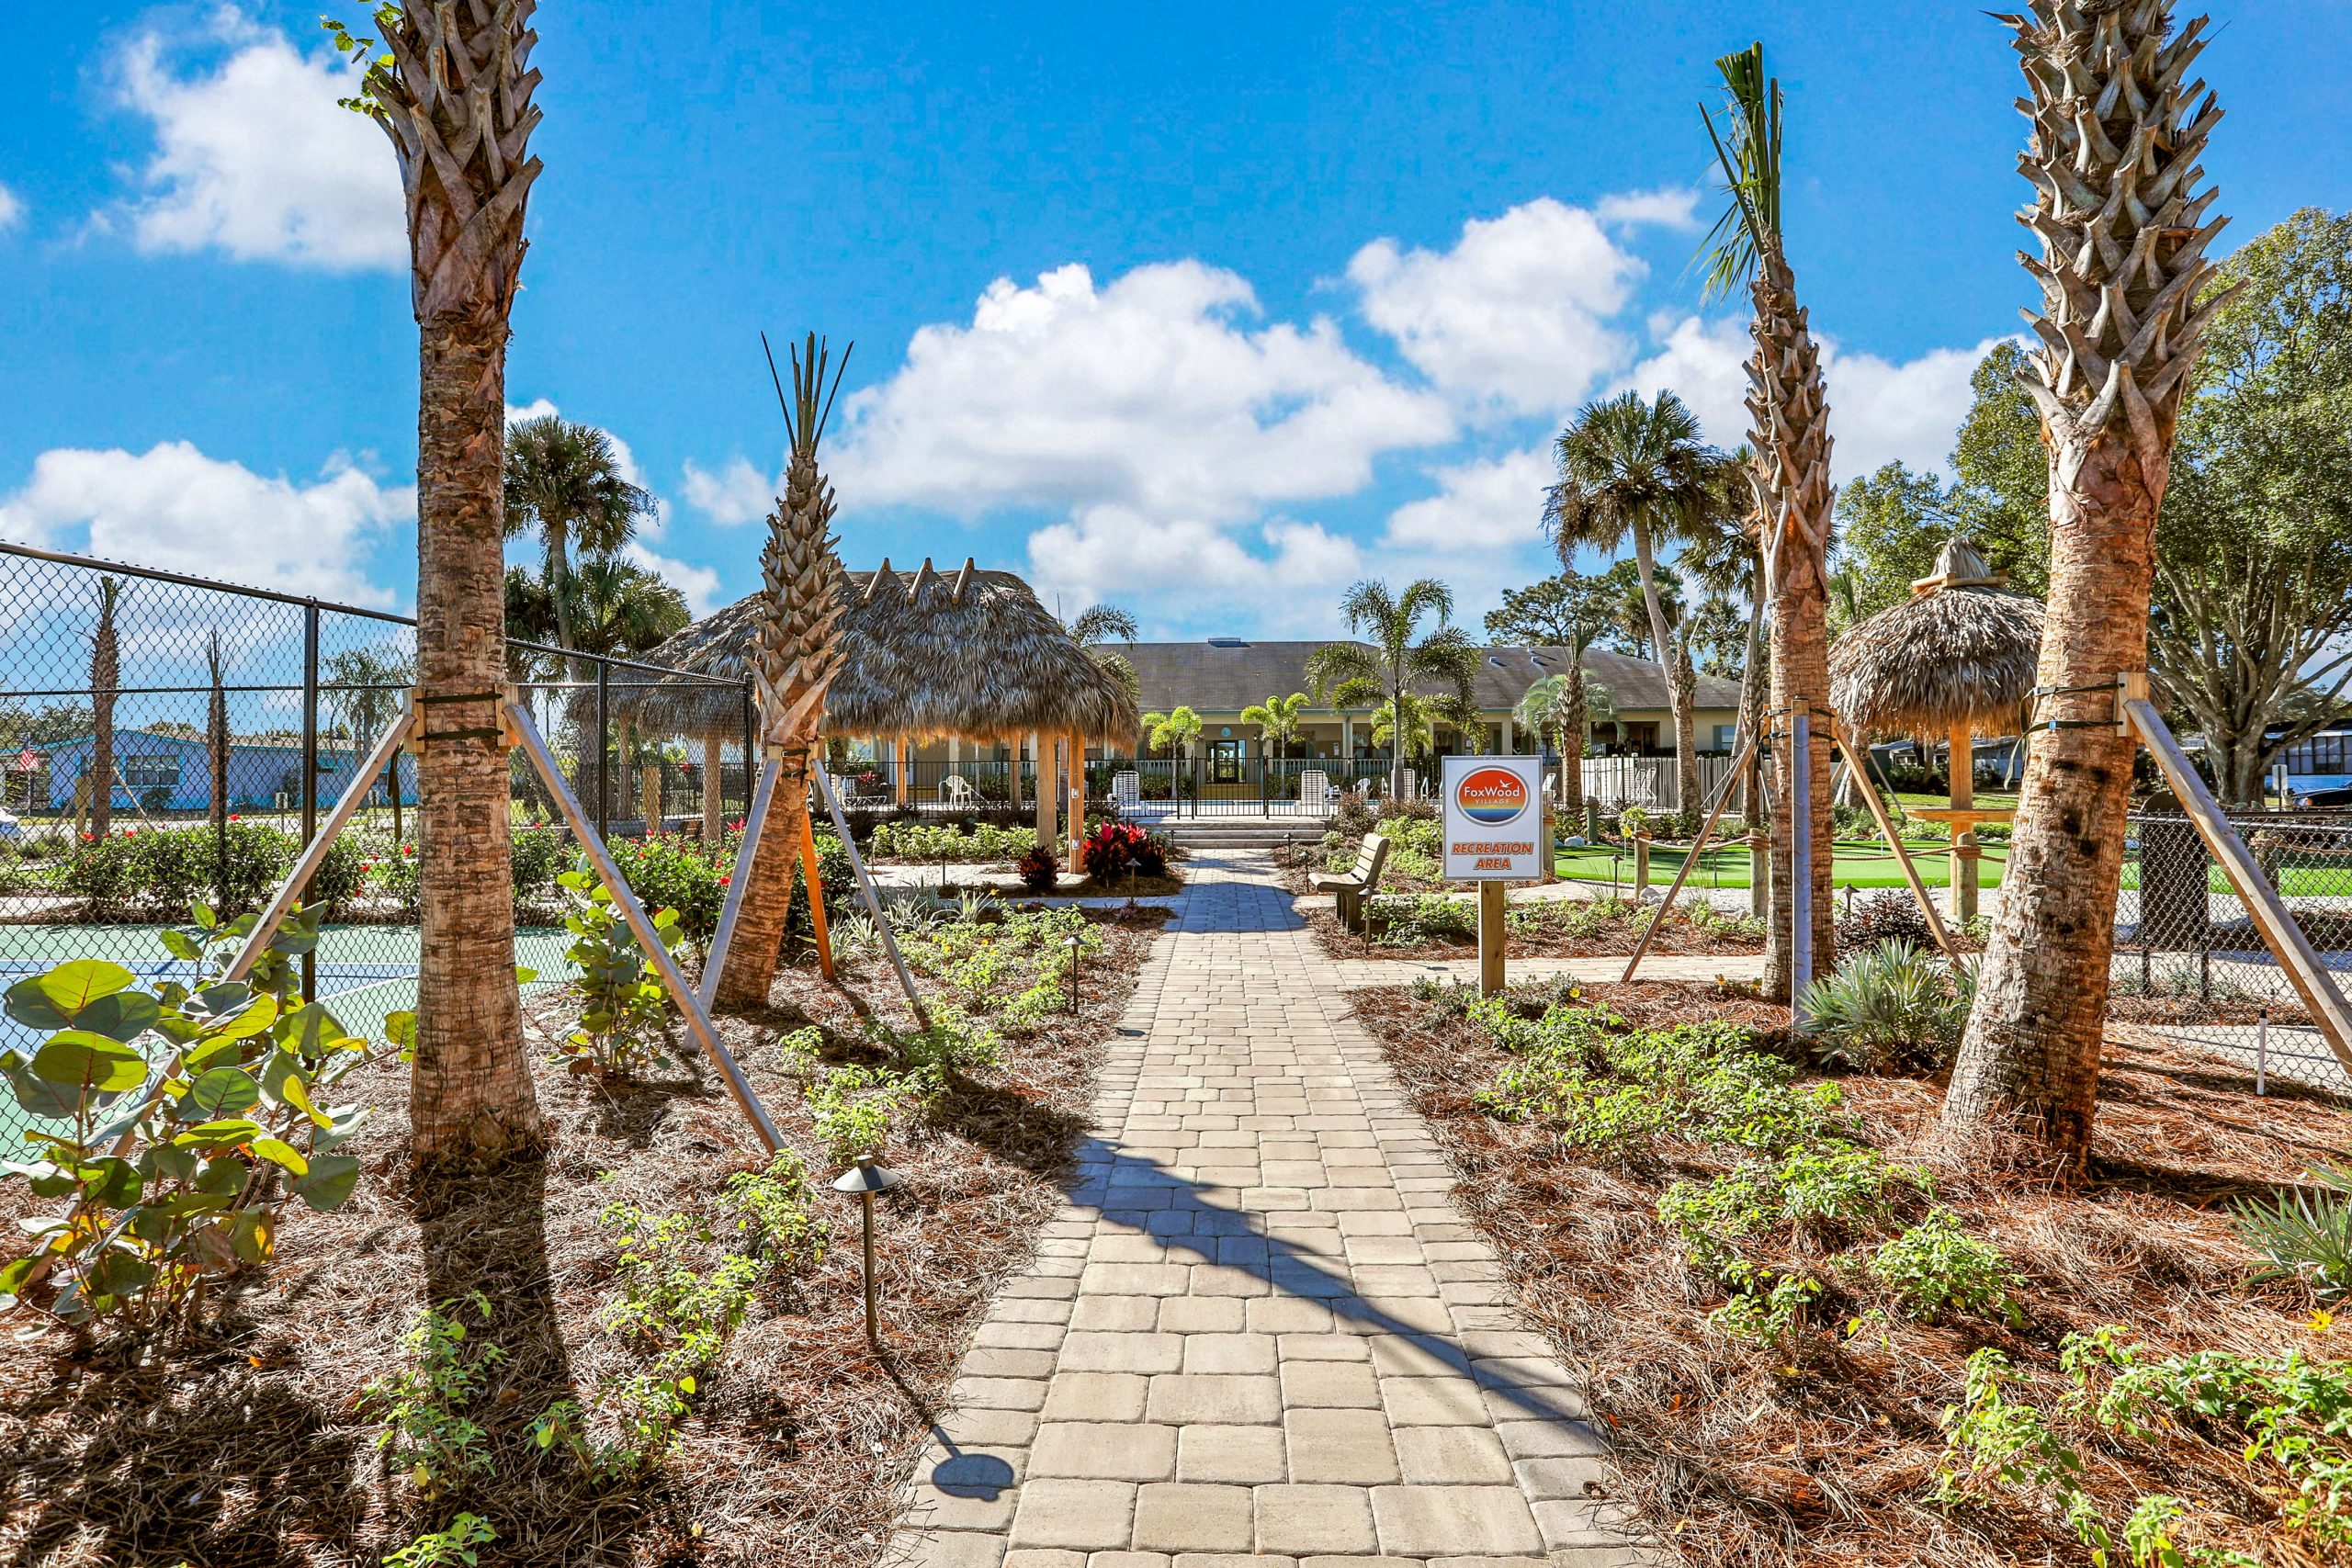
<point x="1902" y="859"/>
<point x="1698" y="850"/>
<point x="1494" y="923"/>
<point x="755" y="823"/>
<point x="1077" y="800"/>
<point x="640" y="925"/>
<point x="812" y="873"/>
<point x="315" y="854"/>
<point x="2285" y="938"/>
<point x="873" y="899"/>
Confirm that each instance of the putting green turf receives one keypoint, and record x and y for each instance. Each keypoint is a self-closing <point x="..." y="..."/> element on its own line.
<point x="1858" y="865"/>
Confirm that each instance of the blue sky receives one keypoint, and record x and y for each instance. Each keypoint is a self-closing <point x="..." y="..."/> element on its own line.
<point x="1203" y="309"/>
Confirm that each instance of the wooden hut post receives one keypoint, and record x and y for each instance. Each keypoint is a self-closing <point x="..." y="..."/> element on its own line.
<point x="1048" y="808"/>
<point x="1077" y="800"/>
<point x="903" y="755"/>
<point x="713" y="798"/>
<point x="649" y="792"/>
<point x="1013" y="777"/>
<point x="1964" y="852"/>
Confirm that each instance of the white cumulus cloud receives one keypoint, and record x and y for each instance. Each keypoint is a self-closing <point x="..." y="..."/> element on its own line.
<point x="1497" y="503"/>
<point x="12" y="209"/>
<point x="1516" y="317"/>
<point x="1195" y="573"/>
<point x="736" y="494"/>
<point x="1155" y="391"/>
<point x="172" y="507"/>
<point x="1881" y="410"/>
<point x="254" y="157"/>
<point x="1670" y="207"/>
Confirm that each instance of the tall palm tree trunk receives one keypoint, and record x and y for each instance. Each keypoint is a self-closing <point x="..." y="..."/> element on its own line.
<point x="456" y="100"/>
<point x="471" y="1087"/>
<point x="766" y="912"/>
<point x="2114" y="153"/>
<point x="559" y="590"/>
<point x="1678" y="700"/>
<point x="1572" y="719"/>
<point x="1790" y="411"/>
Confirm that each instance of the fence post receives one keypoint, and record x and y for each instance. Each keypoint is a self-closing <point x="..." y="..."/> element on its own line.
<point x="750" y="766"/>
<point x="604" y="751"/>
<point x="310" y="768"/>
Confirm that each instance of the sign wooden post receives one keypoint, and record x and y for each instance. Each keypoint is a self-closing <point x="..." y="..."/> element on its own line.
<point x="1494" y="834"/>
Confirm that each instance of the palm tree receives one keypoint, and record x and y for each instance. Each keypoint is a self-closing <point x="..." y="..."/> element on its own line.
<point x="1092" y="631"/>
<point x="563" y="482"/>
<point x="1631" y="467"/>
<point x="798" y="655"/>
<point x="2114" y="160"/>
<point x="453" y="90"/>
<point x="1175" y="731"/>
<point x="1566" y="707"/>
<point x="1790" y="442"/>
<point x="364" y="687"/>
<point x="1723" y="554"/>
<point x="1348" y="674"/>
<point x="106" y="682"/>
<point x="1279" y="720"/>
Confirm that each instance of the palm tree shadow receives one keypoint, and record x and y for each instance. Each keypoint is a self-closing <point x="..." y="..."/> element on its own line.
<point x="484" y="1237"/>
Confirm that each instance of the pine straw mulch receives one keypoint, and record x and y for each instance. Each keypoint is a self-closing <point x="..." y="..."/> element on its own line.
<point x="1735" y="1457"/>
<point x="1615" y="938"/>
<point x="244" y="1449"/>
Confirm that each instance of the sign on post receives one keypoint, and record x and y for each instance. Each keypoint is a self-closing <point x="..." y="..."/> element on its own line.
<point x="1494" y="819"/>
<point x="1494" y="834"/>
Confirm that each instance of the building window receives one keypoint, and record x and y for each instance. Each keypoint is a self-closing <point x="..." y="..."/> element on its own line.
<point x="1722" y="737"/>
<point x="150" y="773"/>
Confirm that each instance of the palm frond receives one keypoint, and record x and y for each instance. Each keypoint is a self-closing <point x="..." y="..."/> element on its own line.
<point x="1100" y="622"/>
<point x="1337" y="666"/>
<point x="1750" y="162"/>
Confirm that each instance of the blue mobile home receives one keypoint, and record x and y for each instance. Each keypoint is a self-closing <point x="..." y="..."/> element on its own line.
<point x="163" y="773"/>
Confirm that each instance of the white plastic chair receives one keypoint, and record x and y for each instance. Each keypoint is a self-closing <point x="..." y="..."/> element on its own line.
<point x="1315" y="791"/>
<point x="958" y="790"/>
<point x="1127" y="792"/>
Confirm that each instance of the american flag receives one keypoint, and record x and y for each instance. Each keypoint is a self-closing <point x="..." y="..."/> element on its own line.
<point x="26" y="763"/>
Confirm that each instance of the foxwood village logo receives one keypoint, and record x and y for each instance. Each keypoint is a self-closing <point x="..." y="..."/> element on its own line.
<point x="1491" y="796"/>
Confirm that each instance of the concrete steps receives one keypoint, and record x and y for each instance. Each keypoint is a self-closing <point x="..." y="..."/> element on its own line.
<point x="1210" y="833"/>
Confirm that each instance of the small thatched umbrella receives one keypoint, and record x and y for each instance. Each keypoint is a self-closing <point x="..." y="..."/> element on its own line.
<point x="971" y="656"/>
<point x="1954" y="661"/>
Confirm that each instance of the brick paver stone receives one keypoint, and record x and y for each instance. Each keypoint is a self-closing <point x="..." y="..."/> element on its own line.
<point x="1260" y="1334"/>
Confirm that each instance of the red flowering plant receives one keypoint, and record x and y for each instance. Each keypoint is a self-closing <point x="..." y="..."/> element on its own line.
<point x="1114" y="846"/>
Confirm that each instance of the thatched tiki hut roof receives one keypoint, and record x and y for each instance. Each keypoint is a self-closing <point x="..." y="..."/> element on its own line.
<point x="972" y="656"/>
<point x="1959" y="655"/>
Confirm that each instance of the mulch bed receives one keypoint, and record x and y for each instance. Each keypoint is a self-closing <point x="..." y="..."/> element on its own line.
<point x="1616" y="938"/>
<point x="244" y="1447"/>
<point x="1737" y="1456"/>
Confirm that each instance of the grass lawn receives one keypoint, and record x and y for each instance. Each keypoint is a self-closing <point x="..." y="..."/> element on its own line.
<point x="1859" y="865"/>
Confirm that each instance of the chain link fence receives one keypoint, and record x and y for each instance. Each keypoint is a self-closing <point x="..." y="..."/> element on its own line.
<point x="166" y="741"/>
<point x="2190" y="964"/>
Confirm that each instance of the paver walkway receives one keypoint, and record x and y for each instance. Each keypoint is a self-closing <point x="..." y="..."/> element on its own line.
<point x="1260" y="1329"/>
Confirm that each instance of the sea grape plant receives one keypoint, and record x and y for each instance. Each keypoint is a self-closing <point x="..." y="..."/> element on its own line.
<point x="172" y="1126"/>
<point x="623" y="1006"/>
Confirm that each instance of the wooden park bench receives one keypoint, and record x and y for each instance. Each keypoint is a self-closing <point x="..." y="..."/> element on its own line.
<point x="1354" y="887"/>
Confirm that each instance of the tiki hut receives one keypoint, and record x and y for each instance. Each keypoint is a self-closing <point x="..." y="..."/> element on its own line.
<point x="969" y="656"/>
<point x="1954" y="661"/>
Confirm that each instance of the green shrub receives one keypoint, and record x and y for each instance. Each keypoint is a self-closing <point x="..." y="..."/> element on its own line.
<point x="540" y="856"/>
<point x="1886" y="1006"/>
<point x="2304" y="1235"/>
<point x="1936" y="1267"/>
<point x="669" y="873"/>
<point x="946" y="842"/>
<point x="157" y="872"/>
<point x="1764" y="1308"/>
<point x="777" y="1211"/>
<point x="163" y="1188"/>
<point x="446" y="1549"/>
<point x="1424" y="920"/>
<point x="422" y="1405"/>
<point x="855" y="1108"/>
<point x="623" y="1007"/>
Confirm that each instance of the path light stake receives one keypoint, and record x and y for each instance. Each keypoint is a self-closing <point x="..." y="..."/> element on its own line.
<point x="865" y="1178"/>
<point x="2261" y="1051"/>
<point x="1071" y="942"/>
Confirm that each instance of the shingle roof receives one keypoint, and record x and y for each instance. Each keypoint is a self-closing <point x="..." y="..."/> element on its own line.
<point x="1227" y="674"/>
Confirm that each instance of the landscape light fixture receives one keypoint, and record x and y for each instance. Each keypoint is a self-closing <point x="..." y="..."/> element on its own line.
<point x="865" y="1178"/>
<point x="1071" y="942"/>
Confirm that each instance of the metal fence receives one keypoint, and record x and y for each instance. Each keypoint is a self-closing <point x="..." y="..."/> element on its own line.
<point x="2190" y="964"/>
<point x="302" y="688"/>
